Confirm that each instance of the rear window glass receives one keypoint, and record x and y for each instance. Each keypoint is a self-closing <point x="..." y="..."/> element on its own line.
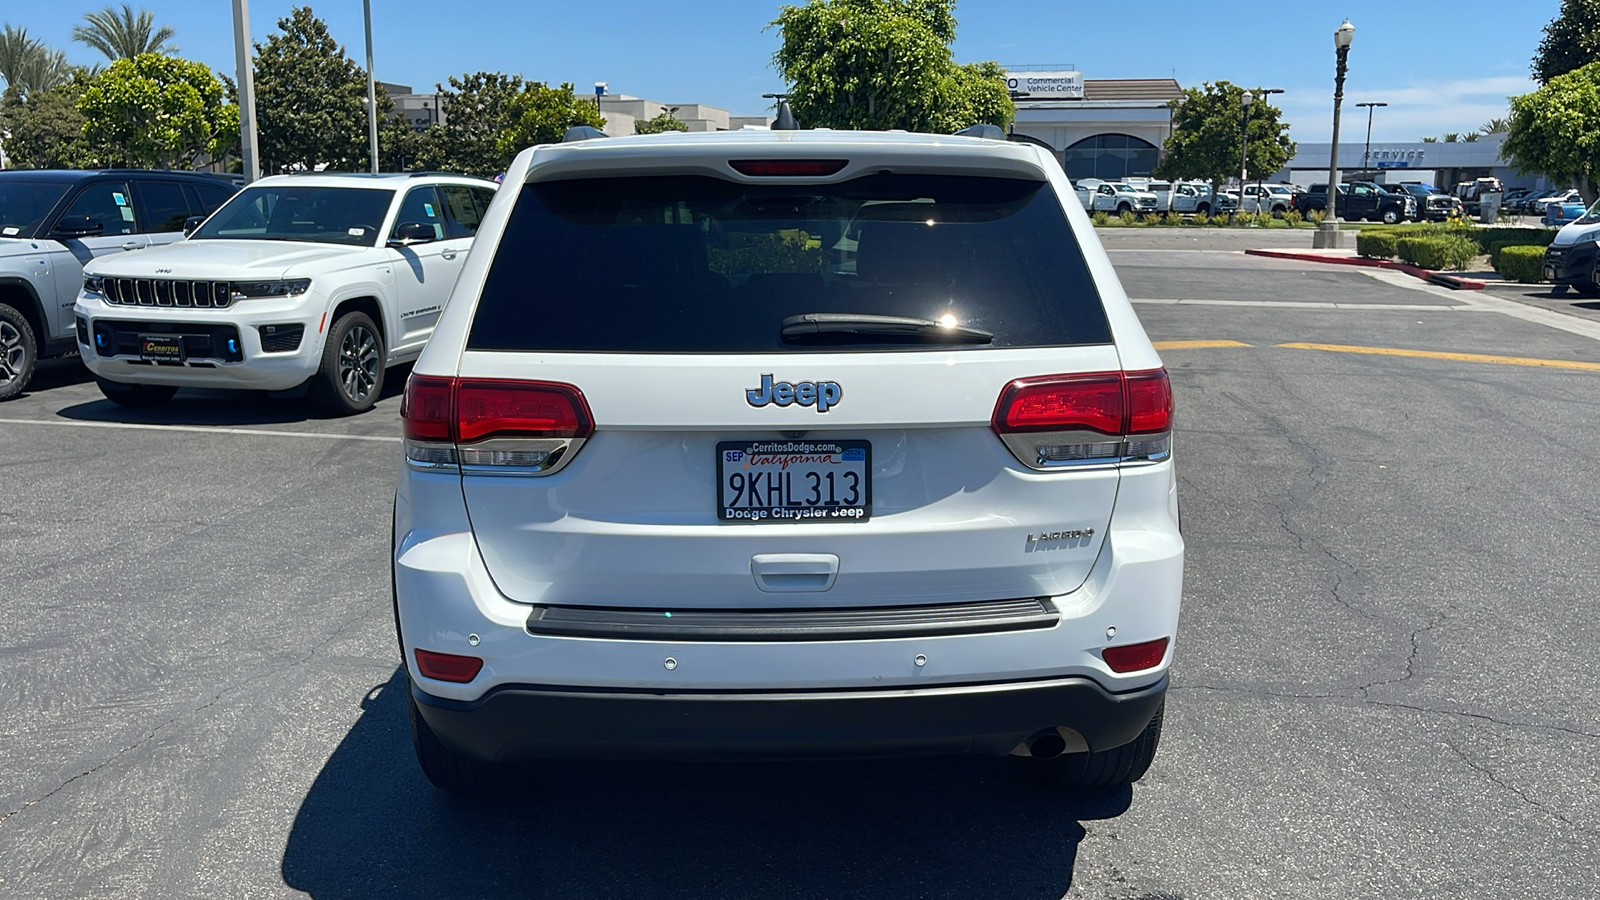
<point x="690" y="264"/>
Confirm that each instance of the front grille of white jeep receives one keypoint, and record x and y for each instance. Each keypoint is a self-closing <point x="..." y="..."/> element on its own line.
<point x="168" y="292"/>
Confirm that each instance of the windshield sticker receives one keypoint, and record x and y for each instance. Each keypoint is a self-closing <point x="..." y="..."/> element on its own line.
<point x="428" y="209"/>
<point x="127" y="213"/>
<point x="121" y="200"/>
<point x="10" y="230"/>
<point x="357" y="231"/>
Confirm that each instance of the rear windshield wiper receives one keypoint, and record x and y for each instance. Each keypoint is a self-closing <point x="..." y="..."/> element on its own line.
<point x="862" y="328"/>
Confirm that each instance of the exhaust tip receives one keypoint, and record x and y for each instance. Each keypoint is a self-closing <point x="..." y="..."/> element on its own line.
<point x="1046" y="745"/>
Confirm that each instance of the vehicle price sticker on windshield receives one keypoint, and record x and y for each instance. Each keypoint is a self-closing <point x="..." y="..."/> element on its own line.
<point x="794" y="481"/>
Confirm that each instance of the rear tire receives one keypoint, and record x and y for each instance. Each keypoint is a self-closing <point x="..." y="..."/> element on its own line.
<point x="350" y="378"/>
<point x="1119" y="766"/>
<point x="135" y="395"/>
<point x="1203" y="209"/>
<point x="18" y="352"/>
<point x="448" y="770"/>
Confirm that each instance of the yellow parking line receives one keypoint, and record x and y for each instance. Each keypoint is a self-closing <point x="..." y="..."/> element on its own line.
<point x="1195" y="345"/>
<point x="1458" y="357"/>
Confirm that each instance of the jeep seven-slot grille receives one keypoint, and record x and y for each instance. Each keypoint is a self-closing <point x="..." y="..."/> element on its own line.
<point x="168" y="292"/>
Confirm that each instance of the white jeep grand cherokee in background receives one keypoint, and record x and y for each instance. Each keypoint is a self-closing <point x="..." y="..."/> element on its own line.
<point x="299" y="283"/>
<point x="852" y="445"/>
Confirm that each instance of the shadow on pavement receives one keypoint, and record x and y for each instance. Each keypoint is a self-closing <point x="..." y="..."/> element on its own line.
<point x="49" y="374"/>
<point x="205" y="406"/>
<point x="372" y="826"/>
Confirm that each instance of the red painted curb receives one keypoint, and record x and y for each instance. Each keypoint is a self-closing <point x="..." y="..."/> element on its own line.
<point x="1454" y="282"/>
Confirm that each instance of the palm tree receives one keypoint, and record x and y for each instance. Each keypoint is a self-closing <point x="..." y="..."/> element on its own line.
<point x="16" y="52"/>
<point x="124" y="36"/>
<point x="1495" y="126"/>
<point x="28" y="65"/>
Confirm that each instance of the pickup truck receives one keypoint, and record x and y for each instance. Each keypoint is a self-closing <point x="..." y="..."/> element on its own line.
<point x="1196" y="198"/>
<point x="1273" y="198"/>
<point x="1112" y="197"/>
<point x="1360" y="201"/>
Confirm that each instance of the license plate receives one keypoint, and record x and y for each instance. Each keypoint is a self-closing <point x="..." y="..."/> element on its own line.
<point x="161" y="347"/>
<point x="794" y="481"/>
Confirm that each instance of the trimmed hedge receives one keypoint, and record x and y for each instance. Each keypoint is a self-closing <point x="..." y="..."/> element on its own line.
<point x="1521" y="241"/>
<point x="1376" y="245"/>
<point x="1445" y="251"/>
<point x="1485" y="238"/>
<point x="1522" y="263"/>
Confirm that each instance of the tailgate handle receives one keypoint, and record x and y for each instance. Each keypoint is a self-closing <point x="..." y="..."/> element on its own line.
<point x="792" y="572"/>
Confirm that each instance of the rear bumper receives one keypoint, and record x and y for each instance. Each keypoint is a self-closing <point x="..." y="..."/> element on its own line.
<point x="529" y="722"/>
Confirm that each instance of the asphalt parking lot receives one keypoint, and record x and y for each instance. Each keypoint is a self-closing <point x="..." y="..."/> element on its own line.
<point x="1383" y="684"/>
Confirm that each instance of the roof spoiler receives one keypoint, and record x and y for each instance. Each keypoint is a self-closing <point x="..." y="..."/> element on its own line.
<point x="983" y="130"/>
<point x="581" y="133"/>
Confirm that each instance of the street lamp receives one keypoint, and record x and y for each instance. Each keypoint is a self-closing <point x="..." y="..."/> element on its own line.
<point x="249" y="143"/>
<point x="1246" y="99"/>
<point x="1366" y="157"/>
<point x="372" y="88"/>
<point x="1011" y="133"/>
<point x="1329" y="236"/>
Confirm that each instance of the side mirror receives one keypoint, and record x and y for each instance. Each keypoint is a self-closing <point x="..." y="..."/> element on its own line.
<point x="412" y="233"/>
<point x="77" y="226"/>
<point x="191" y="223"/>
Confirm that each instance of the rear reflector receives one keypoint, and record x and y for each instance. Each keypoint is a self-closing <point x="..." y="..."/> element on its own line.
<point x="448" y="666"/>
<point x="1132" y="657"/>
<point x="787" y="168"/>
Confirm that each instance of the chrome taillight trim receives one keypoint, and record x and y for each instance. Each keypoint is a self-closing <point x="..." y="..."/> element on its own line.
<point x="1105" y="450"/>
<point x="498" y="457"/>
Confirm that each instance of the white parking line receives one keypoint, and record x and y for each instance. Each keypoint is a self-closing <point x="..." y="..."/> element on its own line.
<point x="1318" y="304"/>
<point x="133" y="426"/>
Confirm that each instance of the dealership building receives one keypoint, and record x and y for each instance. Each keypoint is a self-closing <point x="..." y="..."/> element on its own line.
<point x="1108" y="129"/>
<point x="1438" y="163"/>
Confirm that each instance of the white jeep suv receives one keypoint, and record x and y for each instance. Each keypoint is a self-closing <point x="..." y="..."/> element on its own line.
<point x="299" y="283"/>
<point x="786" y="443"/>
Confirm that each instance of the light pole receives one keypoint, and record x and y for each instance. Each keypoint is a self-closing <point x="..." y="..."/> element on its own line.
<point x="1011" y="132"/>
<point x="372" y="88"/>
<point x="249" y="146"/>
<point x="1248" y="98"/>
<point x="1329" y="236"/>
<point x="1366" y="156"/>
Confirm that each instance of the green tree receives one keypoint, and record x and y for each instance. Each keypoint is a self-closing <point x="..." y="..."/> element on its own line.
<point x="1571" y="40"/>
<point x="662" y="121"/>
<point x="124" y="35"/>
<point x="44" y="129"/>
<point x="541" y="115"/>
<point x="155" y="110"/>
<point x="880" y="64"/>
<point x="311" y="103"/>
<point x="1497" y="125"/>
<point x="1207" y="127"/>
<point x="1555" y="131"/>
<point x="475" y="109"/>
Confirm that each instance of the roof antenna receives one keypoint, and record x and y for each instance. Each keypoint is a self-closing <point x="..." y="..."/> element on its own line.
<point x="785" y="118"/>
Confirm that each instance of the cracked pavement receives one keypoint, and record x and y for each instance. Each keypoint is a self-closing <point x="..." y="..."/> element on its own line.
<point x="1383" y="683"/>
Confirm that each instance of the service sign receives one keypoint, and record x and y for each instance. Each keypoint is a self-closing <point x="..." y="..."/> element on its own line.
<point x="1046" y="85"/>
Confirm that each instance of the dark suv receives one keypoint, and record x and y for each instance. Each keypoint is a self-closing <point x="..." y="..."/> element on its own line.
<point x="1359" y="200"/>
<point x="52" y="222"/>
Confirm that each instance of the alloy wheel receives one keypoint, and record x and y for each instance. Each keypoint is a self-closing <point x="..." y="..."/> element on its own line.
<point x="358" y="363"/>
<point x="13" y="355"/>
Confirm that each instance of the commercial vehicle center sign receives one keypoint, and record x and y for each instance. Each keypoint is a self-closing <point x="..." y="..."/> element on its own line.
<point x="1046" y="85"/>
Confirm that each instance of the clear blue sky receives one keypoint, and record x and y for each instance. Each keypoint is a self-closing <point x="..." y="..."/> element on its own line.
<point x="1443" y="66"/>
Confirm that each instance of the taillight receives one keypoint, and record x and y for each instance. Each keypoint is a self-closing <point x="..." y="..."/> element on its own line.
<point x="1100" y="417"/>
<point x="486" y="409"/>
<point x="448" y="666"/>
<point x="1135" y="657"/>
<point x="788" y="168"/>
<point x="509" y="426"/>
